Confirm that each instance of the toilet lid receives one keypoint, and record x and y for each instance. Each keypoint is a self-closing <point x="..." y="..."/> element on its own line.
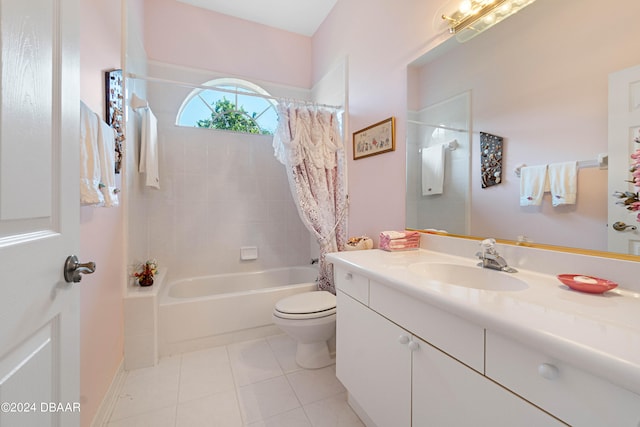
<point x="307" y="302"/>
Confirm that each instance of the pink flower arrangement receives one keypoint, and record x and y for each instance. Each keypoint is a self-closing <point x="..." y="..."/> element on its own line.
<point x="146" y="271"/>
<point x="630" y="199"/>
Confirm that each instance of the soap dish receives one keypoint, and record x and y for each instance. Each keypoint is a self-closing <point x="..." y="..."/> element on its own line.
<point x="589" y="284"/>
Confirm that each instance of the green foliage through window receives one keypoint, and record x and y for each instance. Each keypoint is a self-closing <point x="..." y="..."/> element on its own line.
<point x="225" y="116"/>
<point x="231" y="104"/>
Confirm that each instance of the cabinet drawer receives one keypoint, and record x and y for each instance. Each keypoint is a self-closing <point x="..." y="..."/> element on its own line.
<point x="352" y="284"/>
<point x="571" y="394"/>
<point x="451" y="334"/>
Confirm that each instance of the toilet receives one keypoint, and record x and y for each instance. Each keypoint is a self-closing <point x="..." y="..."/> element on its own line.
<point x="310" y="319"/>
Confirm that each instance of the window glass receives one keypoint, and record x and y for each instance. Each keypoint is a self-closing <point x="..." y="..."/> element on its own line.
<point x="233" y="107"/>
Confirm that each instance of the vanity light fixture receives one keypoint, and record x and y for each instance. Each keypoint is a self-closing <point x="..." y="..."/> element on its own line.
<point x="475" y="16"/>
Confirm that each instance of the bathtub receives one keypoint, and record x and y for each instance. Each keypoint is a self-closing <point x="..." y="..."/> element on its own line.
<point x="202" y="312"/>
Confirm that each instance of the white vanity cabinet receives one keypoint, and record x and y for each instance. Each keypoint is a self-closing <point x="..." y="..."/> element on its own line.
<point x="399" y="379"/>
<point x="573" y="395"/>
<point x="372" y="363"/>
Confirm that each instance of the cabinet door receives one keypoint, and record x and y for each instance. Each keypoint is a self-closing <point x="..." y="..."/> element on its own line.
<point x="372" y="364"/>
<point x="447" y="393"/>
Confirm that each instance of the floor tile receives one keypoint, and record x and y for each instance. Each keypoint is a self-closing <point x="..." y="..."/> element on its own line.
<point x="147" y="389"/>
<point x="263" y="400"/>
<point x="284" y="349"/>
<point x="205" y="372"/>
<point x="311" y="385"/>
<point x="217" y="410"/>
<point x="332" y="412"/>
<point x="253" y="361"/>
<point x="294" y="418"/>
<point x="256" y="382"/>
<point x="165" y="417"/>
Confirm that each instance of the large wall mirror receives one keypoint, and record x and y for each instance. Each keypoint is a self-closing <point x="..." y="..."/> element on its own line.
<point x="539" y="80"/>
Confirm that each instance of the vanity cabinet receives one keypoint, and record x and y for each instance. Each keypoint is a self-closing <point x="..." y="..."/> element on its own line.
<point x="388" y="364"/>
<point x="571" y="394"/>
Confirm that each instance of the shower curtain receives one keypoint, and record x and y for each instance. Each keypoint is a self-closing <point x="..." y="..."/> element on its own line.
<point x="308" y="143"/>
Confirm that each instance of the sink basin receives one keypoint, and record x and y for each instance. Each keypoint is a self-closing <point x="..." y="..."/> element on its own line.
<point x="468" y="277"/>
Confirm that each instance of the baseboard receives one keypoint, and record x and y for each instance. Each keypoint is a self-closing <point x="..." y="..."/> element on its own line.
<point x="110" y="399"/>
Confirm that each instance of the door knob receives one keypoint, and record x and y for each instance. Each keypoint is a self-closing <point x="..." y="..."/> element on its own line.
<point x="403" y="339"/>
<point x="621" y="226"/>
<point x="548" y="371"/>
<point x="73" y="269"/>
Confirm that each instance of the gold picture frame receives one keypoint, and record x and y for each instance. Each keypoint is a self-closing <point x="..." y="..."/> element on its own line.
<point x="376" y="139"/>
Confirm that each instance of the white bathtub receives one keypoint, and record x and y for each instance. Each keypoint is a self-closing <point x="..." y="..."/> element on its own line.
<point x="202" y="312"/>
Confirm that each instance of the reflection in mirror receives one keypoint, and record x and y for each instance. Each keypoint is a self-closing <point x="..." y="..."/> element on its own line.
<point x="438" y="148"/>
<point x="540" y="80"/>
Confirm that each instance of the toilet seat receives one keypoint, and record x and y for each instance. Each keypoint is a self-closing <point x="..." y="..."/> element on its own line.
<point x="306" y="305"/>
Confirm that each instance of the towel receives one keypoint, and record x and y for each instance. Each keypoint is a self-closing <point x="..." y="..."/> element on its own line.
<point x="563" y="183"/>
<point x="107" y="154"/>
<point x="533" y="180"/>
<point x="89" y="158"/>
<point x="433" y="170"/>
<point x="399" y="240"/>
<point x="149" y="148"/>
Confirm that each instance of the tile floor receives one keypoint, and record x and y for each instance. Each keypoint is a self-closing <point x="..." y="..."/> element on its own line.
<point x="253" y="383"/>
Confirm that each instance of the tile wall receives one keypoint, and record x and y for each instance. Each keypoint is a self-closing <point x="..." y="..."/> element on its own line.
<point x="219" y="191"/>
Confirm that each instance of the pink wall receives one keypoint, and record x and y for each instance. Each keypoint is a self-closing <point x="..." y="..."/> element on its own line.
<point x="379" y="38"/>
<point x="177" y="33"/>
<point x="101" y="235"/>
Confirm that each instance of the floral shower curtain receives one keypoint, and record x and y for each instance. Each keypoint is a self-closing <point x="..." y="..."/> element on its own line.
<point x="308" y="143"/>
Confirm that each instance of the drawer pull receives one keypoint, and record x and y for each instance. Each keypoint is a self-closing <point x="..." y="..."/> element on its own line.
<point x="403" y="339"/>
<point x="413" y="346"/>
<point x="548" y="371"/>
<point x="348" y="276"/>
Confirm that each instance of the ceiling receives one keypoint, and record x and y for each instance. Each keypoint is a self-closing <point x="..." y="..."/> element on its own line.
<point x="298" y="16"/>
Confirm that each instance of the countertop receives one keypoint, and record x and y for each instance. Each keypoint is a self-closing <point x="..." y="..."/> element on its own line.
<point x="599" y="333"/>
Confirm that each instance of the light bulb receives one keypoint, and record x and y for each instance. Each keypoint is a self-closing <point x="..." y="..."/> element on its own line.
<point x="505" y="8"/>
<point x="465" y="7"/>
<point x="489" y="19"/>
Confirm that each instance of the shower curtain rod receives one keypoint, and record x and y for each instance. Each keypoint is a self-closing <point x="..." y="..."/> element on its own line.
<point x="415" y="122"/>
<point x="236" y="92"/>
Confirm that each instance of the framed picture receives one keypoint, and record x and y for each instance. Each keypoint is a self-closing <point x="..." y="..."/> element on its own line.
<point x="114" y="109"/>
<point x="375" y="139"/>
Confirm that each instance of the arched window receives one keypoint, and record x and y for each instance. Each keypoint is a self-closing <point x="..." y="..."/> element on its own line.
<point x="231" y="108"/>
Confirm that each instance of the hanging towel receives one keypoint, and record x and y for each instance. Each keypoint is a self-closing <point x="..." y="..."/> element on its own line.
<point x="533" y="181"/>
<point x="149" y="148"/>
<point x="563" y="183"/>
<point x="433" y="169"/>
<point x="89" y="158"/>
<point x="107" y="151"/>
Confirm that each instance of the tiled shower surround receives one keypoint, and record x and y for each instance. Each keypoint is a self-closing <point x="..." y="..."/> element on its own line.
<point x="219" y="191"/>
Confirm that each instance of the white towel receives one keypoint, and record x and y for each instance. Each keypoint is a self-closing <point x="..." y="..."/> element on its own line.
<point x="89" y="158"/>
<point x="563" y="183"/>
<point x="433" y="170"/>
<point x="149" y="148"/>
<point x="107" y="154"/>
<point x="533" y="180"/>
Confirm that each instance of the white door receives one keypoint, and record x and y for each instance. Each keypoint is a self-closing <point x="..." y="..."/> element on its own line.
<point x="624" y="128"/>
<point x="39" y="212"/>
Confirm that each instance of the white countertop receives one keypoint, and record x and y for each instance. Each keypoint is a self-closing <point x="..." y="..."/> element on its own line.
<point x="599" y="333"/>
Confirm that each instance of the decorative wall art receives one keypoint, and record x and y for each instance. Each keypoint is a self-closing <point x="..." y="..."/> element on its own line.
<point x="114" y="111"/>
<point x="375" y="139"/>
<point x="491" y="159"/>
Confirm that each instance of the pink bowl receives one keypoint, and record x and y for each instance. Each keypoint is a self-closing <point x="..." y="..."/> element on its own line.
<point x="589" y="284"/>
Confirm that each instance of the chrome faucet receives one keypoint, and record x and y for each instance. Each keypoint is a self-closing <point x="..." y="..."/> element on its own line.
<point x="490" y="258"/>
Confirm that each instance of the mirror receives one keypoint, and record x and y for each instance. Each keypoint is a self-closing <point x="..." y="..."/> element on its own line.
<point x="539" y="80"/>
